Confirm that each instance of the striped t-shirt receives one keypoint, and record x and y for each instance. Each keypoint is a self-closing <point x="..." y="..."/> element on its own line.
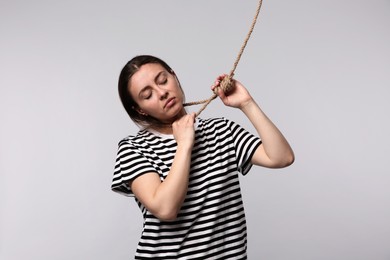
<point x="211" y="222"/>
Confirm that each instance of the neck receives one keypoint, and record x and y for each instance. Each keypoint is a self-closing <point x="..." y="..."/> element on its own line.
<point x="163" y="129"/>
<point x="166" y="127"/>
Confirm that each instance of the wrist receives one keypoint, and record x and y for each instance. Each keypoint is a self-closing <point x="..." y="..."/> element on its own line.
<point x="248" y="105"/>
<point x="185" y="146"/>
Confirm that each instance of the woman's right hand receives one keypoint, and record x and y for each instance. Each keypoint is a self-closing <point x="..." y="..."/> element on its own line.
<point x="164" y="199"/>
<point x="184" y="130"/>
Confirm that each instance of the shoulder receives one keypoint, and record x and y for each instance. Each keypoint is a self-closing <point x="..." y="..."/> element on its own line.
<point x="214" y="121"/>
<point x="216" y="124"/>
<point x="134" y="141"/>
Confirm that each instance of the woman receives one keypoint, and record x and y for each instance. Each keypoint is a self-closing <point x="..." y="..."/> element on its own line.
<point x="183" y="171"/>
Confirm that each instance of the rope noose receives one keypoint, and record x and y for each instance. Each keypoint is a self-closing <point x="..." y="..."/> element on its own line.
<point x="227" y="81"/>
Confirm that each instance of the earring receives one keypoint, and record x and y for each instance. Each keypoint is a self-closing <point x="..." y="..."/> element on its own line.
<point x="139" y="111"/>
<point x="142" y="112"/>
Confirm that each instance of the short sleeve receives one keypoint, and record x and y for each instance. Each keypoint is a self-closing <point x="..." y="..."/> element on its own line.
<point x="245" y="145"/>
<point x="130" y="163"/>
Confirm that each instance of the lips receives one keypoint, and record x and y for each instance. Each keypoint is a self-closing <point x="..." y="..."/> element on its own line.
<point x="170" y="102"/>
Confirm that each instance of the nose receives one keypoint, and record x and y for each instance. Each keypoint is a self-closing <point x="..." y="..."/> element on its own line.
<point x="163" y="93"/>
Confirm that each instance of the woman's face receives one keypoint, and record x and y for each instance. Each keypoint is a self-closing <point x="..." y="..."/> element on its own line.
<point x="157" y="93"/>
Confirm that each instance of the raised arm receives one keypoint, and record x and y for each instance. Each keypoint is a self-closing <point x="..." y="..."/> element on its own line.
<point x="165" y="198"/>
<point x="275" y="152"/>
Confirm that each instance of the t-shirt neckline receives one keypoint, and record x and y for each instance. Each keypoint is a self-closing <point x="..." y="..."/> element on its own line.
<point x="168" y="136"/>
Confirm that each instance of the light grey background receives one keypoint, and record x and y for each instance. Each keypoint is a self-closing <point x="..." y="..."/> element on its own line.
<point x="320" y="70"/>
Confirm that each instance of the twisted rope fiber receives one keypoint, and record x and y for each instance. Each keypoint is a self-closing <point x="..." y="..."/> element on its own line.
<point x="227" y="82"/>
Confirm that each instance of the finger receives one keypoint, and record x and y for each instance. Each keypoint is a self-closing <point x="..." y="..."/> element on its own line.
<point x="215" y="85"/>
<point x="220" y="77"/>
<point x="220" y="93"/>
<point x="191" y="117"/>
<point x="218" y="80"/>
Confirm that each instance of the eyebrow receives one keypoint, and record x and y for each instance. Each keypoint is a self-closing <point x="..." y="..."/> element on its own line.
<point x="155" y="80"/>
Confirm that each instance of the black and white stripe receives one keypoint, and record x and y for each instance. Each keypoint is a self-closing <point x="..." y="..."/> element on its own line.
<point x="211" y="223"/>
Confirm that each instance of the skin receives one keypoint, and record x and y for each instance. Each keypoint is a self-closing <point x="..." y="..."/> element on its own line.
<point x="275" y="152"/>
<point x="158" y="94"/>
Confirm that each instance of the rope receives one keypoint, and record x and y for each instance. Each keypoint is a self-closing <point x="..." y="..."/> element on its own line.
<point x="227" y="82"/>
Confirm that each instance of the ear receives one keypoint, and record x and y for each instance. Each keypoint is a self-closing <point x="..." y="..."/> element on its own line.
<point x="141" y="112"/>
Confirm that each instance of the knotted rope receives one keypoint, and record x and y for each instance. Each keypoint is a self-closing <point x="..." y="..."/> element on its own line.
<point x="227" y="82"/>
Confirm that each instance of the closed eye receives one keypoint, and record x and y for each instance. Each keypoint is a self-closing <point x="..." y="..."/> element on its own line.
<point x="146" y="94"/>
<point x="163" y="82"/>
<point x="161" y="78"/>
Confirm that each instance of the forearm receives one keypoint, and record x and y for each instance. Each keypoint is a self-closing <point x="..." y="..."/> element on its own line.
<point x="275" y="145"/>
<point x="170" y="194"/>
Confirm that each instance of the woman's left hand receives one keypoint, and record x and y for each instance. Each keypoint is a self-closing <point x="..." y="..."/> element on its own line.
<point x="238" y="96"/>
